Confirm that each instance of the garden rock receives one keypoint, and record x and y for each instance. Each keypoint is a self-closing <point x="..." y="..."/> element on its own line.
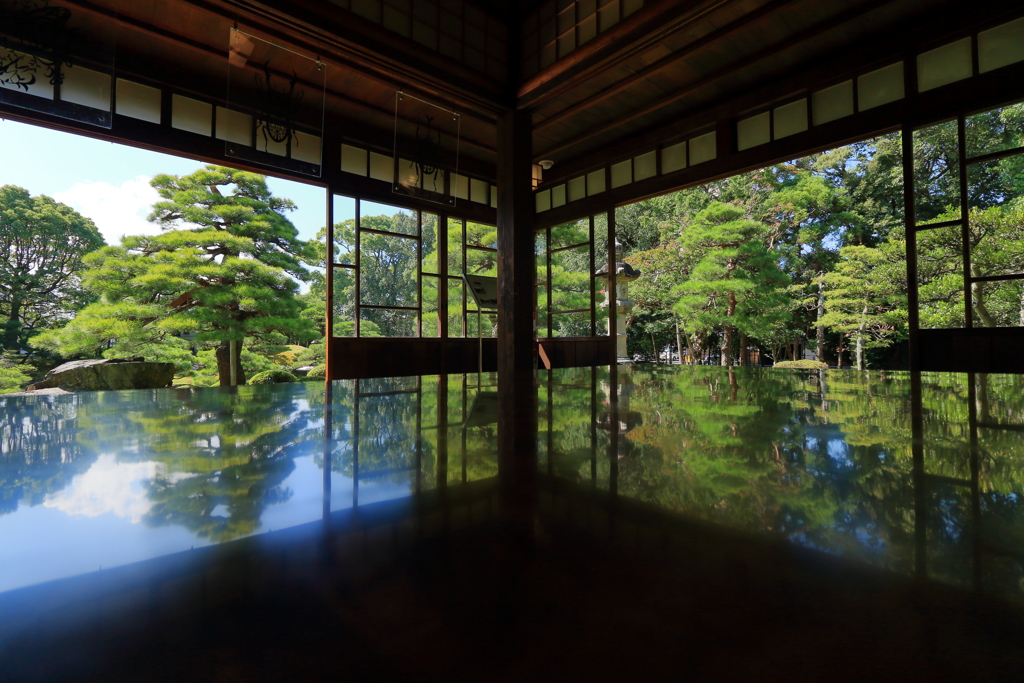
<point x="108" y="374"/>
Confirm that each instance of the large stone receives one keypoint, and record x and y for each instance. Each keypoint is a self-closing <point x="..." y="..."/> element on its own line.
<point x="108" y="374"/>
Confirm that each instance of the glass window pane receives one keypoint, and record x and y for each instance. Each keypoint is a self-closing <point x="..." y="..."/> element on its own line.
<point x="997" y="241"/>
<point x="936" y="174"/>
<point x="995" y="130"/>
<point x="571" y="282"/>
<point x="997" y="304"/>
<point x="940" y="278"/>
<point x="993" y="183"/>
<point x="387" y="323"/>
<point x="488" y="323"/>
<point x="570" y="324"/>
<point x="390" y="218"/>
<point x="387" y="270"/>
<point x="481" y="235"/>
<point x="576" y="232"/>
<point x="344" y="230"/>
<point x="480" y="262"/>
<point x="429" y="299"/>
<point x="455" y="236"/>
<point x="542" y="312"/>
<point x="456" y="308"/>
<point x="429" y="236"/>
<point x="344" y="302"/>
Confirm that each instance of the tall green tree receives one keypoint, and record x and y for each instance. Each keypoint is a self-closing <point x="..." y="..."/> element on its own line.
<point x="42" y="243"/>
<point x="734" y="277"/>
<point x="864" y="301"/>
<point x="222" y="271"/>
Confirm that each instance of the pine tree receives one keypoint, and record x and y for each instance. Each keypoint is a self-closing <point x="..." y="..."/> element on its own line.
<point x="220" y="270"/>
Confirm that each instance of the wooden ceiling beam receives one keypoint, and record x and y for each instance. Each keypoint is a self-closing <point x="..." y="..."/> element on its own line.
<point x="383" y="55"/>
<point x="662" y="64"/>
<point x="209" y="51"/>
<point x="786" y="43"/>
<point x="982" y="92"/>
<point x="645" y="29"/>
<point x="881" y="50"/>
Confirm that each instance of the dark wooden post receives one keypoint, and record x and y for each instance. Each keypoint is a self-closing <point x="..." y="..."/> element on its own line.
<point x="517" y="393"/>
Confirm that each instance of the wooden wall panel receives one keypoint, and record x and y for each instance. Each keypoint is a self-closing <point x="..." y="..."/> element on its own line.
<point x="999" y="349"/>
<point x="399" y="357"/>
<point x="575" y="352"/>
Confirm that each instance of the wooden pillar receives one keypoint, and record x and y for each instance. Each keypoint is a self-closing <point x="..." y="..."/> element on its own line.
<point x="517" y="393"/>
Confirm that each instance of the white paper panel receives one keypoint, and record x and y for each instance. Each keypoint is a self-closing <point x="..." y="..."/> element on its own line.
<point x="630" y="6"/>
<point x="382" y="167"/>
<point x="832" y="103"/>
<point x="673" y="158"/>
<point x="557" y="196"/>
<point x="577" y="188"/>
<point x="353" y="160"/>
<point x="306" y="147"/>
<point x="753" y="131"/>
<point x="494" y="196"/>
<point x="86" y="87"/>
<point x="265" y="143"/>
<point x="622" y="173"/>
<point x="944" y="65"/>
<point x="478" y="191"/>
<point x="41" y="88"/>
<point x="1001" y="45"/>
<point x="543" y="200"/>
<point x="645" y="166"/>
<point x="137" y="101"/>
<point x="595" y="182"/>
<point x="234" y="126"/>
<point x="407" y="173"/>
<point x="191" y="115"/>
<point x="790" y="119"/>
<point x="703" y="148"/>
<point x="880" y="87"/>
<point x="460" y="186"/>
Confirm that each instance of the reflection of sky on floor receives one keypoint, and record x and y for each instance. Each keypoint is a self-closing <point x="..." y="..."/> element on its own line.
<point x="45" y="542"/>
<point x="105" y="479"/>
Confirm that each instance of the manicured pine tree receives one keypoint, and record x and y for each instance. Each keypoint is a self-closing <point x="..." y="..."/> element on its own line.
<point x="219" y="270"/>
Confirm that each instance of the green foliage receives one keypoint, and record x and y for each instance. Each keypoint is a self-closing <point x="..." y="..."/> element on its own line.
<point x="219" y="272"/>
<point x="865" y="299"/>
<point x="801" y="364"/>
<point x="317" y="372"/>
<point x="13" y="375"/>
<point x="272" y="377"/>
<point x="42" y="243"/>
<point x="734" y="282"/>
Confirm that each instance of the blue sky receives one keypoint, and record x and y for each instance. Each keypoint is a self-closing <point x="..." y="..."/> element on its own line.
<point x="109" y="183"/>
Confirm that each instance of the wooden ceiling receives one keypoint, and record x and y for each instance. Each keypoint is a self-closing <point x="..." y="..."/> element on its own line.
<point x="659" y="70"/>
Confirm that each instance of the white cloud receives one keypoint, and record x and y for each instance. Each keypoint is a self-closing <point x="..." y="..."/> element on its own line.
<point x="116" y="210"/>
<point x="107" y="486"/>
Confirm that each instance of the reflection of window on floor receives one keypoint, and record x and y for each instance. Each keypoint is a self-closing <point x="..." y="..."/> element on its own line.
<point x="398" y="272"/>
<point x="969" y="182"/>
<point x="568" y="298"/>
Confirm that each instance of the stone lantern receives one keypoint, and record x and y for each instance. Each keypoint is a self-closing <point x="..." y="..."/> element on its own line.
<point x="624" y="274"/>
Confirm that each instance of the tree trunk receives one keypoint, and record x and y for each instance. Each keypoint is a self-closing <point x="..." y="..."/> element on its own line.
<point x="819" y="330"/>
<point x="839" y="355"/>
<point x="10" y="336"/>
<point x="743" y="348"/>
<point x="224" y="365"/>
<point x="725" y="343"/>
<point x="978" y="301"/>
<point x="1022" y="306"/>
<point x="679" y="342"/>
<point x="655" y="348"/>
<point x="860" y="340"/>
